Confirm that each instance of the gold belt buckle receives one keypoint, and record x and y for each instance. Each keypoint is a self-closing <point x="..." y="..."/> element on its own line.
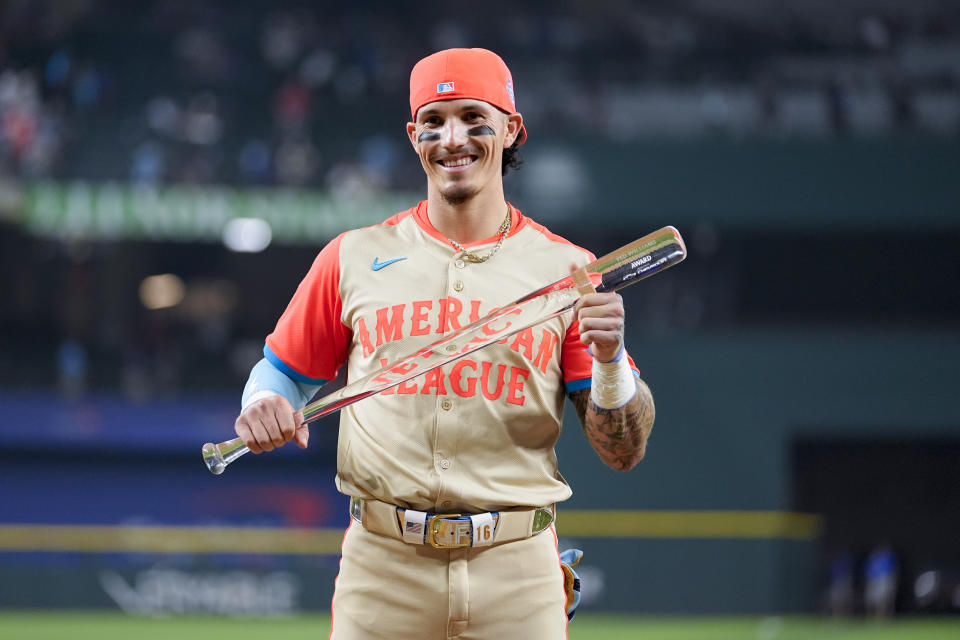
<point x="436" y="523"/>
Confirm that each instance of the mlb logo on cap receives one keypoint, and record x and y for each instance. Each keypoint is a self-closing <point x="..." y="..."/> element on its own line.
<point x="445" y="87"/>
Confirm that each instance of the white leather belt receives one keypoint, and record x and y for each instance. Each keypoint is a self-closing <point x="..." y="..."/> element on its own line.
<point x="450" y="530"/>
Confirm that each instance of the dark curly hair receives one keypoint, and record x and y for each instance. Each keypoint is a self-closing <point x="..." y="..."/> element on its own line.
<point x="511" y="159"/>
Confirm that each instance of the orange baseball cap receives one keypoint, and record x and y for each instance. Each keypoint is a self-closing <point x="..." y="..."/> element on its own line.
<point x="463" y="73"/>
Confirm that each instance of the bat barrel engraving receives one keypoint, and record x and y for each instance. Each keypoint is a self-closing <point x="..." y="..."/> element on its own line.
<point x="628" y="264"/>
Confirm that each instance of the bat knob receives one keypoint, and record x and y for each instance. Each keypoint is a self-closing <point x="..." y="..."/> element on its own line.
<point x="213" y="458"/>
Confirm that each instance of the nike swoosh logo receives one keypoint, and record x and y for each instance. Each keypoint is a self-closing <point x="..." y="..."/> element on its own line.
<point x="377" y="265"/>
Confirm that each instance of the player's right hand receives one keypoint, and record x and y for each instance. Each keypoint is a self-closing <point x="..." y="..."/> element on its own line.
<point x="269" y="423"/>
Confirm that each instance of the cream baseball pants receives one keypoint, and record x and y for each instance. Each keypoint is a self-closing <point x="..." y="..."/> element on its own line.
<point x="388" y="589"/>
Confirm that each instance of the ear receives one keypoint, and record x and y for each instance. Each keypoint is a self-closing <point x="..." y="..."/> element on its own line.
<point x="514" y="122"/>
<point x="412" y="134"/>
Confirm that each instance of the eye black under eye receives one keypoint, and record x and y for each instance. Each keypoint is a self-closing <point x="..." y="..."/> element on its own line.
<point x="481" y="130"/>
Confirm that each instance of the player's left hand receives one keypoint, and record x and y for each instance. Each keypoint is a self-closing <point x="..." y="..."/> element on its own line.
<point x="601" y="319"/>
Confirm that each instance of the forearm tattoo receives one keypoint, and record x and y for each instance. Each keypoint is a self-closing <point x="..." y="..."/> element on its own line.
<point x="619" y="436"/>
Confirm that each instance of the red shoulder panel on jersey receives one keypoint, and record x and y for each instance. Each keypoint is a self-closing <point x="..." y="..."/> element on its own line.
<point x="310" y="341"/>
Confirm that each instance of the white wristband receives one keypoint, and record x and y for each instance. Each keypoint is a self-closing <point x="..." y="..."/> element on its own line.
<point x="613" y="385"/>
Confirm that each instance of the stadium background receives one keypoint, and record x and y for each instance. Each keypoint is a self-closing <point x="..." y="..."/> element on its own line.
<point x="168" y="170"/>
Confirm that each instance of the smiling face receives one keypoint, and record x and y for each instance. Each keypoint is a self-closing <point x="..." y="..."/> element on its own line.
<point x="460" y="144"/>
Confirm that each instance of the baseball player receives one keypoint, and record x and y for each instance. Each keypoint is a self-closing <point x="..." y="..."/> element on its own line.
<point x="452" y="475"/>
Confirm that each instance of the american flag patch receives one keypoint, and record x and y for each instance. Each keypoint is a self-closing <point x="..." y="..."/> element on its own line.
<point x="444" y="87"/>
<point x="414" y="526"/>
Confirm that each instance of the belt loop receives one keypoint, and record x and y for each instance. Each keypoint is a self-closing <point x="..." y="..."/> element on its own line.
<point x="356" y="509"/>
<point x="543" y="517"/>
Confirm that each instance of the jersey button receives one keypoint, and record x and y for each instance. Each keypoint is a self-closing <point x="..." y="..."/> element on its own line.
<point x="458" y="286"/>
<point x="459" y="264"/>
<point x="446" y="404"/>
<point x="451" y="348"/>
<point x="446" y="504"/>
<point x="444" y="464"/>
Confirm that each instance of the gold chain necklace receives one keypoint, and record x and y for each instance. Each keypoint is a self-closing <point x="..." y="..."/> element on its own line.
<point x="472" y="257"/>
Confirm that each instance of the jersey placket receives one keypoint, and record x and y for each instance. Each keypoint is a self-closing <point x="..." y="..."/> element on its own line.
<point x="448" y="409"/>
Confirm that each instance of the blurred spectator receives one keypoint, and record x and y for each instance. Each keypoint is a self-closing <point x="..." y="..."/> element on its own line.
<point x="30" y="131"/>
<point x="72" y="369"/>
<point x="282" y="41"/>
<point x="317" y="68"/>
<point x="200" y="166"/>
<point x="88" y="87"/>
<point x="41" y="155"/>
<point x="254" y="161"/>
<point x="349" y="182"/>
<point x="58" y="68"/>
<point x="148" y="164"/>
<point x="292" y="106"/>
<point x="840" y="587"/>
<point x="203" y="53"/>
<point x="880" y="581"/>
<point x="19" y="111"/>
<point x="296" y="162"/>
<point x="202" y="124"/>
<point x="163" y="116"/>
<point x="378" y="154"/>
<point x="350" y="85"/>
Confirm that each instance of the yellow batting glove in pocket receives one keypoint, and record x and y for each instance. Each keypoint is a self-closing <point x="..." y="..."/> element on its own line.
<point x="571" y="580"/>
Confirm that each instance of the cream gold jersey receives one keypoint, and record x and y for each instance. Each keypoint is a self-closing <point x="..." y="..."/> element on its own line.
<point x="475" y="435"/>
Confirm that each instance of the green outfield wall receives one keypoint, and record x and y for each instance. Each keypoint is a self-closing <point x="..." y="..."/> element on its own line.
<point x="729" y="405"/>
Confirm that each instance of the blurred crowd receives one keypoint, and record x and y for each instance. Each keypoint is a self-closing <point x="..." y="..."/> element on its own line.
<point x="314" y="94"/>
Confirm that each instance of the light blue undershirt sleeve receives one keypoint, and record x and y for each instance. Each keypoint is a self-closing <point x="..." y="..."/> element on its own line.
<point x="266" y="377"/>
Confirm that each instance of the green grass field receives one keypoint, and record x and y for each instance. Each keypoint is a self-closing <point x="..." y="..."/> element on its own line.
<point x="115" y="626"/>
